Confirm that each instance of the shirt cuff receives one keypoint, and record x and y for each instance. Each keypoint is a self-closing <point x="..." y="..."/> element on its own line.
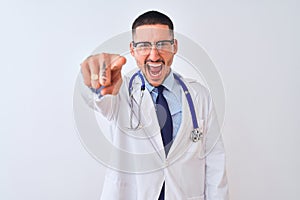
<point x="97" y="91"/>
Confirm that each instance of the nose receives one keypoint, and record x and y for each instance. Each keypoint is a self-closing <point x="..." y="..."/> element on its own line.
<point x="154" y="54"/>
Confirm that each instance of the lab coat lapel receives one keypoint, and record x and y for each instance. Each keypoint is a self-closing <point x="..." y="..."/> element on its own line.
<point x="182" y="139"/>
<point x="148" y="118"/>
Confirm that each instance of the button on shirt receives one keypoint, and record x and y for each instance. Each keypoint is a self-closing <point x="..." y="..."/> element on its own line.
<point x="172" y="93"/>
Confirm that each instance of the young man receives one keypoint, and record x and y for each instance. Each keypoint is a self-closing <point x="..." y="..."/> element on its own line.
<point x="152" y="117"/>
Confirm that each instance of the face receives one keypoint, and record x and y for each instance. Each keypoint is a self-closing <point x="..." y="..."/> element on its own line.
<point x="155" y="62"/>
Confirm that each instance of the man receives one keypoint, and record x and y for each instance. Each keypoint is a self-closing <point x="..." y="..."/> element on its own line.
<point x="152" y="115"/>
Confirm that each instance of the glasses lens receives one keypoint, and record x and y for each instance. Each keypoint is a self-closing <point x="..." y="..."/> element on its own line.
<point x="143" y="48"/>
<point x="164" y="45"/>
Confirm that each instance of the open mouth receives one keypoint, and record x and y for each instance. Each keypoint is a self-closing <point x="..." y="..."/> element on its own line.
<point x="154" y="69"/>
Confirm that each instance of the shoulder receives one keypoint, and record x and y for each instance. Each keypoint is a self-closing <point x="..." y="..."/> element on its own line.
<point x="200" y="96"/>
<point x="195" y="87"/>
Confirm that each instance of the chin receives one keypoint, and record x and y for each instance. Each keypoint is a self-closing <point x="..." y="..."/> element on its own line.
<point x="154" y="82"/>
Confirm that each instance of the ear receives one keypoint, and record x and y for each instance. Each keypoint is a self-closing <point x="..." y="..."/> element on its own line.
<point x="175" y="45"/>
<point x="131" y="49"/>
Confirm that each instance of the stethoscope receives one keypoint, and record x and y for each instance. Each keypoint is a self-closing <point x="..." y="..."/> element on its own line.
<point x="196" y="133"/>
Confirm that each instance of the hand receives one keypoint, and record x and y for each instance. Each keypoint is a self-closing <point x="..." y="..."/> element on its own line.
<point x="103" y="70"/>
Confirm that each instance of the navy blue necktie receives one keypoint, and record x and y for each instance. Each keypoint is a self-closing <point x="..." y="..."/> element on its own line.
<point x="164" y="119"/>
<point x="166" y="126"/>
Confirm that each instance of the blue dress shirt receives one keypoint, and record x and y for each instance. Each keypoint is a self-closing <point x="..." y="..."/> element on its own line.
<point x="172" y="93"/>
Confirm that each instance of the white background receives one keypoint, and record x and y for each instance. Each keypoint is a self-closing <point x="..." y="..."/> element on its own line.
<point x="254" y="45"/>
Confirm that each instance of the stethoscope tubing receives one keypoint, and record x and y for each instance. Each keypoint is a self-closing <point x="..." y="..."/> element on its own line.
<point x="182" y="84"/>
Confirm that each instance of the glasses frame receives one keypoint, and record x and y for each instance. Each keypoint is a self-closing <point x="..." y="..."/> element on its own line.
<point x="134" y="44"/>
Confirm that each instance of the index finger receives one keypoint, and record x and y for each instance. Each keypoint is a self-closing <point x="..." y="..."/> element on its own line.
<point x="108" y="63"/>
<point x="118" y="62"/>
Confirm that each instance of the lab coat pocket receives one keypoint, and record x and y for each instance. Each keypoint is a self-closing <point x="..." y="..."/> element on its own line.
<point x="202" y="127"/>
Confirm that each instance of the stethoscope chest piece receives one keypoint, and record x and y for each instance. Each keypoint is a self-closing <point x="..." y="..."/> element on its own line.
<point x="196" y="135"/>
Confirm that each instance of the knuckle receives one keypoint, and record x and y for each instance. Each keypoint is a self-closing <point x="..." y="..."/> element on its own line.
<point x="104" y="58"/>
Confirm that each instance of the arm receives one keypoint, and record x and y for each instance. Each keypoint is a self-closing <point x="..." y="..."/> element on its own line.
<point x="216" y="180"/>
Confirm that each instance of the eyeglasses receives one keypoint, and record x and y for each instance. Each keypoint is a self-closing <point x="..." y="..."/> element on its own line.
<point x="144" y="48"/>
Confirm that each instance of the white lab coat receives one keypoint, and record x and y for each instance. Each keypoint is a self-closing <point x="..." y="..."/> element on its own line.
<point x="187" y="172"/>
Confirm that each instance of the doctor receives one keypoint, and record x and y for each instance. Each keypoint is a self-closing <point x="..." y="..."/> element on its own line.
<point x="157" y="112"/>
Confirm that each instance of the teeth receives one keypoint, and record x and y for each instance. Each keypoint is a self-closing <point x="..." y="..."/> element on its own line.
<point x="155" y="65"/>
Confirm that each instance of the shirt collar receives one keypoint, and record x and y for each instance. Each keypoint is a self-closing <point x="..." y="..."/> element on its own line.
<point x="168" y="82"/>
